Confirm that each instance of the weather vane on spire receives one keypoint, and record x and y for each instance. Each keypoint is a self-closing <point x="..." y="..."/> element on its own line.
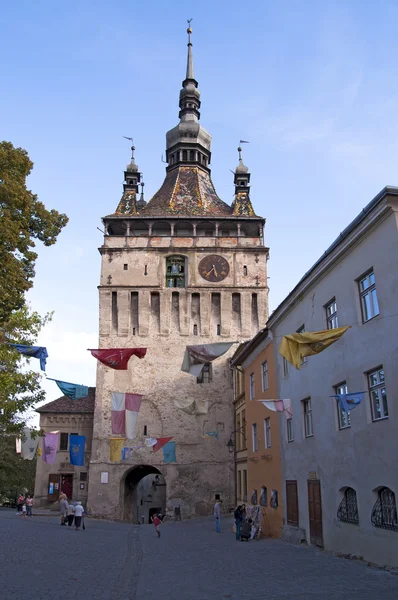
<point x="189" y="30"/>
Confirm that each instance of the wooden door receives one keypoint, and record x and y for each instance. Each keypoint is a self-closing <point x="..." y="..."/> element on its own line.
<point x="53" y="487"/>
<point x="315" y="512"/>
<point x="67" y="485"/>
<point x="292" y="503"/>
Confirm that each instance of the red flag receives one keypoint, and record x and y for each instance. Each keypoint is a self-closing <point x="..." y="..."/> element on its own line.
<point x="117" y="358"/>
<point x="160" y="443"/>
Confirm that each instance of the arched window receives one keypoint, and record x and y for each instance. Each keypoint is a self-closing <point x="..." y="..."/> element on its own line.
<point x="264" y="496"/>
<point x="253" y="498"/>
<point x="348" y="509"/>
<point x="274" y="499"/>
<point x="384" y="513"/>
<point x="175" y="272"/>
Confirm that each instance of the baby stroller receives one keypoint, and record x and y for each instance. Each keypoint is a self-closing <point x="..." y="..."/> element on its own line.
<point x="245" y="531"/>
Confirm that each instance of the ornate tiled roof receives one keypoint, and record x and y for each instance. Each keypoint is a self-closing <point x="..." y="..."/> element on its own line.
<point x="242" y="206"/>
<point x="186" y="191"/>
<point x="127" y="205"/>
<point x="66" y="405"/>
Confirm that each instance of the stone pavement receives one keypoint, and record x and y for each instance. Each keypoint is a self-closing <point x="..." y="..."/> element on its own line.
<point x="115" y="561"/>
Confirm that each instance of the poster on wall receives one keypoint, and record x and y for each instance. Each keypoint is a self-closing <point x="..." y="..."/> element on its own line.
<point x="50" y="489"/>
<point x="104" y="477"/>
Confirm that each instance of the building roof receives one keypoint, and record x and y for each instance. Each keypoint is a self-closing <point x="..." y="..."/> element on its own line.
<point x="245" y="349"/>
<point x="66" y="405"/>
<point x="386" y="191"/>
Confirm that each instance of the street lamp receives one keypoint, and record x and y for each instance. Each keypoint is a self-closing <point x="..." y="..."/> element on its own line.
<point x="231" y="443"/>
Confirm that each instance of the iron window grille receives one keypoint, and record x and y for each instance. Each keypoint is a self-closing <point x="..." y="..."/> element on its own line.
<point x="264" y="496"/>
<point x="331" y="315"/>
<point x="274" y="499"/>
<point x="253" y="498"/>
<point x="348" y="509"/>
<point x="343" y="416"/>
<point x="384" y="513"/>
<point x="368" y="296"/>
<point x="378" y="394"/>
<point x="206" y="375"/>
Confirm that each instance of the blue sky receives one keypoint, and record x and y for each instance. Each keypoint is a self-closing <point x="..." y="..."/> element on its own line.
<point x="311" y="84"/>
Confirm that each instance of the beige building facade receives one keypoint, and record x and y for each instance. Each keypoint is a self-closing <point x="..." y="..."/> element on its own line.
<point x="183" y="269"/>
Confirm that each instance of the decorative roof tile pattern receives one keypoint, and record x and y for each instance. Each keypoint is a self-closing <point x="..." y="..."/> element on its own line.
<point x="242" y="206"/>
<point x="127" y="205"/>
<point x="66" y="405"/>
<point x="186" y="191"/>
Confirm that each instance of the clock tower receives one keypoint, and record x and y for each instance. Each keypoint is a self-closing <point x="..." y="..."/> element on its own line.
<point x="185" y="268"/>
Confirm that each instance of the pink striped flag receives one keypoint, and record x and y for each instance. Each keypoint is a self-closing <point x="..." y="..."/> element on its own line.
<point x="125" y="408"/>
<point x="284" y="406"/>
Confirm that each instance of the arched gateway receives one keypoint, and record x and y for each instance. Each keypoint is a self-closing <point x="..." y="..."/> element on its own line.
<point x="144" y="493"/>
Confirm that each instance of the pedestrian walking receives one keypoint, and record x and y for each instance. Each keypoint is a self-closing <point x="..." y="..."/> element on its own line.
<point x="29" y="505"/>
<point x="79" y="512"/>
<point x="63" y="507"/>
<point x="24" y="511"/>
<point x="70" y="514"/>
<point x="20" y="502"/>
<point x="217" y="515"/>
<point x="238" y="521"/>
<point x="156" y="520"/>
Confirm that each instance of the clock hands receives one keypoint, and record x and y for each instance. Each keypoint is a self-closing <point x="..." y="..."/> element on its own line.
<point x="212" y="269"/>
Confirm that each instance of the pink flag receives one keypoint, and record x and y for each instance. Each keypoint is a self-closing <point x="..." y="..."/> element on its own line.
<point x="50" y="445"/>
<point x="125" y="408"/>
<point x="284" y="406"/>
<point x="117" y="358"/>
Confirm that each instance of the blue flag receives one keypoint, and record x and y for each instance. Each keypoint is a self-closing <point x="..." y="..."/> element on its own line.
<point x="34" y="351"/>
<point x="169" y="452"/>
<point x="76" y="450"/>
<point x="71" y="390"/>
<point x="349" y="401"/>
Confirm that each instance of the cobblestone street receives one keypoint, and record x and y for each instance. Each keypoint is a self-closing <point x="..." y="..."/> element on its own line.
<point x="115" y="561"/>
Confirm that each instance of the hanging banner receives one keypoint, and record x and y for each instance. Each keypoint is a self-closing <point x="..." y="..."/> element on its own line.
<point x="73" y="391"/>
<point x="76" y="449"/>
<point x="117" y="358"/>
<point x="296" y="346"/>
<point x="196" y="357"/>
<point x="125" y="408"/>
<point x="349" y="401"/>
<point x="116" y="446"/>
<point x="284" y="406"/>
<point x="39" y="352"/>
<point x="169" y="452"/>
<point x="29" y="445"/>
<point x="197" y="407"/>
<point x="149" y="442"/>
<point x="50" y="446"/>
<point x="161" y="442"/>
<point x="18" y="445"/>
<point x="127" y="453"/>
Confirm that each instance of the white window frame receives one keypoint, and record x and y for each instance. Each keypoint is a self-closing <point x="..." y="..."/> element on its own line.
<point x="344" y="419"/>
<point x="308" y="422"/>
<point x="254" y="437"/>
<point x="376" y="395"/>
<point x="267" y="433"/>
<point x="289" y="430"/>
<point x="368" y="296"/>
<point x="252" y="386"/>
<point x="264" y="375"/>
<point x="332" y="321"/>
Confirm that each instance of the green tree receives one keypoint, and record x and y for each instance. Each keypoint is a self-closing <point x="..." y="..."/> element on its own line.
<point x="16" y="475"/>
<point x="23" y="219"/>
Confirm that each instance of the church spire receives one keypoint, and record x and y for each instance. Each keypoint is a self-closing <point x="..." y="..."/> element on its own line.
<point x="242" y="205"/>
<point x="190" y="58"/>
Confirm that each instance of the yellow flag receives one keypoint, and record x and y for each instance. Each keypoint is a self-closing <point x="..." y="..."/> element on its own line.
<point x="296" y="346"/>
<point x="39" y="452"/>
<point x="116" y="445"/>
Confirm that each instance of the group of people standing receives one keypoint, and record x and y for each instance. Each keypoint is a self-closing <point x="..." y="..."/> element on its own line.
<point x="247" y="522"/>
<point x="71" y="512"/>
<point x="25" y="505"/>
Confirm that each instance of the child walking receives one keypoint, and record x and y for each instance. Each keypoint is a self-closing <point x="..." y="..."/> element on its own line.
<point x="156" y="521"/>
<point x="24" y="511"/>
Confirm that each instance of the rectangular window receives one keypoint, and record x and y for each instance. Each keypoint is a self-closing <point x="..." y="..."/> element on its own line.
<point x="264" y="375"/>
<point x="344" y="417"/>
<point x="245" y="485"/>
<point x="252" y="390"/>
<point x="292" y="503"/>
<point x="331" y="315"/>
<point x="302" y="330"/>
<point x="244" y="441"/>
<point x="267" y="433"/>
<point x="83" y="476"/>
<point x="289" y="428"/>
<point x="63" y="442"/>
<point x="377" y="394"/>
<point x="254" y="437"/>
<point x="307" y="409"/>
<point x="206" y="375"/>
<point x="239" y="485"/>
<point x="367" y="292"/>
<point x="285" y="367"/>
<point x="238" y="435"/>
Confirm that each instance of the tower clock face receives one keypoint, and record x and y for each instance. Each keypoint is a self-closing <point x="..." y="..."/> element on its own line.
<point x="214" y="268"/>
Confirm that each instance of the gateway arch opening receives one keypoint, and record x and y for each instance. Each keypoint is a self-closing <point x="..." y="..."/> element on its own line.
<point x="144" y="494"/>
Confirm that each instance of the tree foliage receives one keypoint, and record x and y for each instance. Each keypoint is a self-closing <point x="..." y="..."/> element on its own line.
<point x="16" y="474"/>
<point x="23" y="220"/>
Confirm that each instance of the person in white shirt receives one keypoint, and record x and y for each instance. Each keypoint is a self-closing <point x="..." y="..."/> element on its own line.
<point x="79" y="512"/>
<point x="217" y="515"/>
<point x="69" y="514"/>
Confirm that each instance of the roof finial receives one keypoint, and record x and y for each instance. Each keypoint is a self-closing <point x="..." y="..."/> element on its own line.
<point x="190" y="59"/>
